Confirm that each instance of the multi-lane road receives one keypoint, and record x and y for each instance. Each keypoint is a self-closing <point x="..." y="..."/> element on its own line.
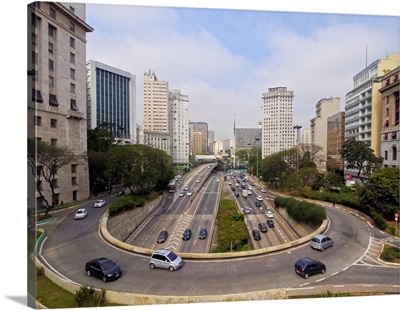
<point x="71" y="243"/>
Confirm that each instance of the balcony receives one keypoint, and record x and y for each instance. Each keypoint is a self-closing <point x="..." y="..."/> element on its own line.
<point x="75" y="114"/>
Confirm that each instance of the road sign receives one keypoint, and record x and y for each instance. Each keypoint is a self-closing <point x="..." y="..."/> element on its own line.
<point x="396" y="217"/>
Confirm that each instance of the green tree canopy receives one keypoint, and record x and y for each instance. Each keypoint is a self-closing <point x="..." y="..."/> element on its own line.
<point x="382" y="191"/>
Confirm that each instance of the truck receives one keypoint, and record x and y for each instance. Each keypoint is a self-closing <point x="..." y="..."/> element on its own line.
<point x="244" y="193"/>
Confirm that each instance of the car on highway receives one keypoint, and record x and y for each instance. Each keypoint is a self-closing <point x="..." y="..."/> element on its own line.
<point x="167" y="259"/>
<point x="269" y="214"/>
<point x="198" y="181"/>
<point x="237" y="194"/>
<point x="181" y="194"/>
<point x="103" y="268"/>
<point x="100" y="203"/>
<point x="270" y="223"/>
<point x="162" y="236"/>
<point x="186" y="188"/>
<point x="120" y="193"/>
<point x="203" y="233"/>
<point x="248" y="210"/>
<point x="263" y="227"/>
<point x="307" y="266"/>
<point x="256" y="234"/>
<point x="249" y="188"/>
<point x="233" y="189"/>
<point x="259" y="198"/>
<point x="187" y="234"/>
<point x="80" y="214"/>
<point x="321" y="242"/>
<point x="249" y="192"/>
<point x="189" y="193"/>
<point x="263" y="190"/>
<point x="258" y="204"/>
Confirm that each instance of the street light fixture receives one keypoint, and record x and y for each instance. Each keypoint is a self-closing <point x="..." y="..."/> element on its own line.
<point x="257" y="139"/>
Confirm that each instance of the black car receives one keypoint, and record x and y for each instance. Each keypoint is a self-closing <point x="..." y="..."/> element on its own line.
<point x="256" y="234"/>
<point x="263" y="227"/>
<point x="258" y="204"/>
<point x="120" y="193"/>
<point x="203" y="233"/>
<point x="187" y="234"/>
<point x="103" y="268"/>
<point x="162" y="236"/>
<point x="305" y="267"/>
<point x="237" y="194"/>
<point x="270" y="223"/>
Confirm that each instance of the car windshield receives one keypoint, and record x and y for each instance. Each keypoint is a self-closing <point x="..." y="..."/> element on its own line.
<point x="172" y="256"/>
<point x="107" y="264"/>
<point x="316" y="240"/>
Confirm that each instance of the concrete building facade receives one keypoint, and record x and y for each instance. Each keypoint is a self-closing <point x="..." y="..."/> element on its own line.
<point x="363" y="111"/>
<point x="277" y="122"/>
<point x="335" y="139"/>
<point x="57" y="95"/>
<point x="111" y="99"/>
<point x="390" y="111"/>
<point x="325" y="108"/>
<point x="194" y="129"/>
<point x="179" y="125"/>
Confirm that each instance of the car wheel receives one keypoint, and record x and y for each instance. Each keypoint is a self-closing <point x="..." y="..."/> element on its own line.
<point x="171" y="268"/>
<point x="306" y="276"/>
<point x="88" y="273"/>
<point x="323" y="271"/>
<point x="322" y="249"/>
<point x="152" y="266"/>
<point x="104" y="279"/>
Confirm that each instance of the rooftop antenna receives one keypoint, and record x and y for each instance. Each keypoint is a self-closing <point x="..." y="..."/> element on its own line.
<point x="366" y="56"/>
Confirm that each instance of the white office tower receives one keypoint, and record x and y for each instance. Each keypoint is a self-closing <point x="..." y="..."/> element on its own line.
<point x="179" y="127"/>
<point x="156" y="113"/>
<point x="277" y="122"/>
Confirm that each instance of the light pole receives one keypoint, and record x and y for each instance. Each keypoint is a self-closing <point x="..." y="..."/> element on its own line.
<point x="257" y="139"/>
<point x="297" y="145"/>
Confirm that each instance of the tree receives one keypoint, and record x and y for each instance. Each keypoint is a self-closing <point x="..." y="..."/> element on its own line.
<point x="382" y="191"/>
<point x="359" y="156"/>
<point x="45" y="160"/>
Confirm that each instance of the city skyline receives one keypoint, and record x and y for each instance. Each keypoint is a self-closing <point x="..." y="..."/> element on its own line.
<point x="223" y="58"/>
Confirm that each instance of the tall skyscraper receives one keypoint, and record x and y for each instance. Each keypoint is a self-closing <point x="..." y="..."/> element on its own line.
<point x="179" y="125"/>
<point x="57" y="95"/>
<point x="324" y="108"/>
<point x="277" y="126"/>
<point x="156" y="112"/>
<point x="111" y="100"/>
<point x="201" y="131"/>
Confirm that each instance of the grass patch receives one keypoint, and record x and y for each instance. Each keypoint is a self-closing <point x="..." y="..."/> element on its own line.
<point x="53" y="296"/>
<point x="390" y="254"/>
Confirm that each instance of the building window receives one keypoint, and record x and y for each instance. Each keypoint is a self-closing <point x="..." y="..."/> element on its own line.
<point x="387" y="123"/>
<point x="34" y="75"/>
<point x="74" y="107"/>
<point x="72" y="42"/>
<point x="72" y="88"/>
<point x="51" y="81"/>
<point x="72" y="58"/>
<point x="51" y="48"/>
<point x="37" y="96"/>
<point x="72" y="73"/>
<point x="34" y="58"/>
<point x="54" y="183"/>
<point x="74" y="168"/>
<point x="53" y="100"/>
<point x="75" y="195"/>
<point x="52" y="13"/>
<point x="52" y="30"/>
<point x="53" y="142"/>
<point x="51" y="65"/>
<point x="53" y="123"/>
<point x="34" y="19"/>
<point x="71" y="9"/>
<point x="387" y="112"/>
<point x="394" y="135"/>
<point x="34" y="39"/>
<point x="73" y="181"/>
<point x="37" y="120"/>
<point x="72" y="26"/>
<point x="394" y="153"/>
<point x="386" y="155"/>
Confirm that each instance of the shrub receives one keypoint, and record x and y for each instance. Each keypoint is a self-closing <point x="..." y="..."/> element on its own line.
<point x="126" y="202"/>
<point x="84" y="296"/>
<point x="391" y="254"/>
<point x="379" y="220"/>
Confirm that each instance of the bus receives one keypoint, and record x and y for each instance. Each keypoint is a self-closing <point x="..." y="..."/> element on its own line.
<point x="172" y="186"/>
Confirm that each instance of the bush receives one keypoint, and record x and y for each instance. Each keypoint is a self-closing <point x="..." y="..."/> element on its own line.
<point x="379" y="220"/>
<point x="125" y="202"/>
<point x="391" y="254"/>
<point x="84" y="296"/>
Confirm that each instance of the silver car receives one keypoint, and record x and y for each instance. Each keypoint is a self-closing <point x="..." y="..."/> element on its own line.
<point x="321" y="242"/>
<point x="167" y="259"/>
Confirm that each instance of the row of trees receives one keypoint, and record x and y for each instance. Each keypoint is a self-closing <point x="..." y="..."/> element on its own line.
<point x="140" y="168"/>
<point x="295" y="170"/>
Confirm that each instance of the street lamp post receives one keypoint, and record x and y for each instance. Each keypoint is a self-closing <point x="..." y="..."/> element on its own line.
<point x="297" y="127"/>
<point x="257" y="139"/>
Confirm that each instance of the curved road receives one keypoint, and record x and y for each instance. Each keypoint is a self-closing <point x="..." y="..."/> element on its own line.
<point x="71" y="243"/>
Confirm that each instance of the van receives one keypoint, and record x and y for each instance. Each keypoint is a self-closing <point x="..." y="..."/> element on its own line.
<point x="166" y="259"/>
<point x="321" y="242"/>
<point x="244" y="193"/>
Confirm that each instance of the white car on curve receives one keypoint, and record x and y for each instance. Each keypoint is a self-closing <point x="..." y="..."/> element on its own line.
<point x="100" y="203"/>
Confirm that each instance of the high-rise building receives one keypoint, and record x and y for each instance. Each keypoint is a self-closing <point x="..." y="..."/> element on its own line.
<point x="390" y="129"/>
<point x="156" y="112"/>
<point x="306" y="136"/>
<point x="202" y="128"/>
<point x="325" y="108"/>
<point x="57" y="95"/>
<point x="363" y="112"/>
<point x="277" y="126"/>
<point x="335" y="135"/>
<point x="111" y="101"/>
<point x="179" y="128"/>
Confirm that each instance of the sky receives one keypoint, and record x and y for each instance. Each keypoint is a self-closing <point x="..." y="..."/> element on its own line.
<point x="224" y="59"/>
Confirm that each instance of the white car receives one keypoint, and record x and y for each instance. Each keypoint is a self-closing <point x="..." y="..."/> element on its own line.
<point x="269" y="214"/>
<point x="181" y="194"/>
<point x="100" y="203"/>
<point x="249" y="192"/>
<point x="259" y="198"/>
<point x="80" y="214"/>
<point x="189" y="193"/>
<point x="250" y="188"/>
<point x="263" y="190"/>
